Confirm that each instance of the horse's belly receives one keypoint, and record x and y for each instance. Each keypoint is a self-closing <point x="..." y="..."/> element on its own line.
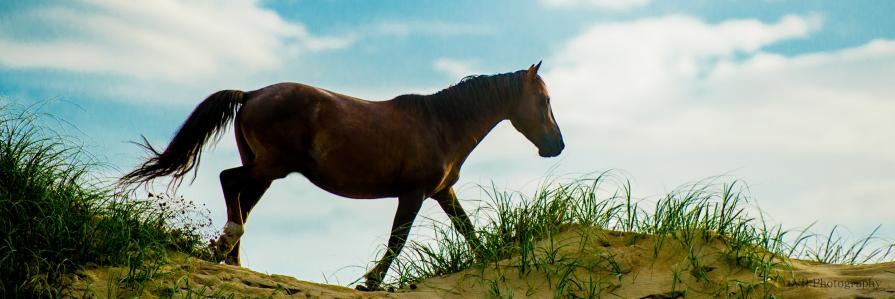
<point x="359" y="187"/>
<point x="357" y="168"/>
<point x="373" y="178"/>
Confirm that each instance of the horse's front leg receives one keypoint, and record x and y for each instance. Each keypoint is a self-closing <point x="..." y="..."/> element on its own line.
<point x="447" y="199"/>
<point x="408" y="206"/>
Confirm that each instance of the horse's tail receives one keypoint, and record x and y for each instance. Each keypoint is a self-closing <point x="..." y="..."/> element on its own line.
<point x="209" y="119"/>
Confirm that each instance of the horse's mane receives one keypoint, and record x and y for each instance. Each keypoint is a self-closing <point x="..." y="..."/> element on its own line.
<point x="472" y="96"/>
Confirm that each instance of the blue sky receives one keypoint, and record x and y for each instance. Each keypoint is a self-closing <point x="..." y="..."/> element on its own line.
<point x="794" y="97"/>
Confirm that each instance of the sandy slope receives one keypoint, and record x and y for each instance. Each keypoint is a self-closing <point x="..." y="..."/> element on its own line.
<point x="615" y="265"/>
<point x="190" y="276"/>
<point x="643" y="276"/>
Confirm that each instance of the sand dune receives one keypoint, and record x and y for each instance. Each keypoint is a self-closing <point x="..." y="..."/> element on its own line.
<point x="579" y="262"/>
<point x="637" y="273"/>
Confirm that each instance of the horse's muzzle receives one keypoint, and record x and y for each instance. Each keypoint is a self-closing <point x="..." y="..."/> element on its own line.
<point x="553" y="149"/>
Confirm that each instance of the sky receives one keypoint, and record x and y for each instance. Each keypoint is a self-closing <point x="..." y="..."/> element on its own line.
<point x="794" y="98"/>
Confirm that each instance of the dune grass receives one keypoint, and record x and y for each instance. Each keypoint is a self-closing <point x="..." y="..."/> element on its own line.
<point x="57" y="217"/>
<point x="512" y="226"/>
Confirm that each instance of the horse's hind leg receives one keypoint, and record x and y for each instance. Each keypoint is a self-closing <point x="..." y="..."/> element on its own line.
<point x="243" y="187"/>
<point x="248" y="197"/>
<point x="231" y="184"/>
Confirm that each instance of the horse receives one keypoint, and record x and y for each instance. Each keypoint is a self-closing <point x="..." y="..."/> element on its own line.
<point x="410" y="147"/>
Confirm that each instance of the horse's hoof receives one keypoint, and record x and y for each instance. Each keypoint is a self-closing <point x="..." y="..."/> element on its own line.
<point x="364" y="288"/>
<point x="232" y="261"/>
<point x="369" y="286"/>
<point x="226" y="242"/>
<point x="220" y="251"/>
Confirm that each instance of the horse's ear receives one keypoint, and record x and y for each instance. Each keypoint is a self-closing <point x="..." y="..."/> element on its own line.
<point x="533" y="69"/>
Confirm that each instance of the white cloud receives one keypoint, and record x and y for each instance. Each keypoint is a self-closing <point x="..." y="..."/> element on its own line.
<point x="173" y="40"/>
<point x="674" y="99"/>
<point x="456" y="68"/>
<point x="603" y="4"/>
<point x="629" y="63"/>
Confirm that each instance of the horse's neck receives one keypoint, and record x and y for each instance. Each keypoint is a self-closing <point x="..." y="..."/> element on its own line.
<point x="463" y="136"/>
<point x="473" y="133"/>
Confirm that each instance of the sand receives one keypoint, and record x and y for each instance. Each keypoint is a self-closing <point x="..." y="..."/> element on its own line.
<point x="578" y="262"/>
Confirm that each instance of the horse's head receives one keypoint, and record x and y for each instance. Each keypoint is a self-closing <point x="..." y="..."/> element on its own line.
<point x="533" y="116"/>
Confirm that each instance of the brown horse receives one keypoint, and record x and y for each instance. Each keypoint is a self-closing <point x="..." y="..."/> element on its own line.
<point x="410" y="147"/>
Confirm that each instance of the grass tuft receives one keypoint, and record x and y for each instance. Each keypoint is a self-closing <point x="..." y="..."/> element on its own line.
<point x="57" y="217"/>
<point x="518" y="237"/>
